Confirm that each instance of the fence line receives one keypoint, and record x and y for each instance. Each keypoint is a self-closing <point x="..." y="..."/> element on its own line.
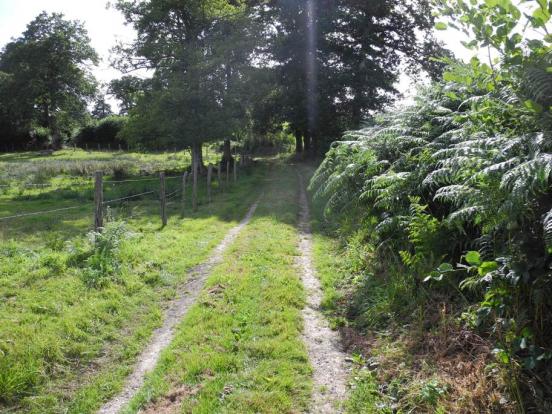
<point x="139" y="180"/>
<point x="89" y="184"/>
<point x="128" y="197"/>
<point x="101" y="202"/>
<point x="173" y="194"/>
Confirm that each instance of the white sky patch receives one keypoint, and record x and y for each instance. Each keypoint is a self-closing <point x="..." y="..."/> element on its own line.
<point x="452" y="39"/>
<point x="105" y="26"/>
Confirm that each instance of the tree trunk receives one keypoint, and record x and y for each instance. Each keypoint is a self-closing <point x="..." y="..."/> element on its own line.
<point x="314" y="144"/>
<point x="298" y="143"/>
<point x="227" y="153"/>
<point x="307" y="142"/>
<point x="52" y="127"/>
<point x="197" y="155"/>
<point x="356" y="111"/>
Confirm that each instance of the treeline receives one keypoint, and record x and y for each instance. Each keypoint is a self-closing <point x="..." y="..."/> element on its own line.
<point x="448" y="203"/>
<point x="222" y="70"/>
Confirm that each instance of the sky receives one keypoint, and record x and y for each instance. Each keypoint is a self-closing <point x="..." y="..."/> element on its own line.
<point x="106" y="27"/>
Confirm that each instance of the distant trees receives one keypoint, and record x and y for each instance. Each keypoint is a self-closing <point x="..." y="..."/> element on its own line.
<point x="45" y="83"/>
<point x="200" y="52"/>
<point x="103" y="133"/>
<point x="225" y="68"/>
<point x="128" y="90"/>
<point x="101" y="108"/>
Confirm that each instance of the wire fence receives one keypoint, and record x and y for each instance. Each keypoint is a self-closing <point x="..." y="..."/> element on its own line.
<point x="182" y="187"/>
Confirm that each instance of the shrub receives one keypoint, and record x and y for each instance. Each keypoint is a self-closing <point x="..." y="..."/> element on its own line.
<point x="450" y="180"/>
<point x="104" y="133"/>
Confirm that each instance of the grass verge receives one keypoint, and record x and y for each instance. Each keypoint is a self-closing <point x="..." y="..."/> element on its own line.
<point x="424" y="363"/>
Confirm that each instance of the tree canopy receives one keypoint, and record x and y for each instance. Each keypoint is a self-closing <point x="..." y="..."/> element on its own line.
<point x="46" y="81"/>
<point x="223" y="67"/>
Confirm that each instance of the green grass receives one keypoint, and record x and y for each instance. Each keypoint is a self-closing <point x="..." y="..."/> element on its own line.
<point x="66" y="346"/>
<point x="239" y="348"/>
<point x="17" y="169"/>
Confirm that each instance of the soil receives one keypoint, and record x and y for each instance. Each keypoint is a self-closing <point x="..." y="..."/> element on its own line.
<point x="330" y="368"/>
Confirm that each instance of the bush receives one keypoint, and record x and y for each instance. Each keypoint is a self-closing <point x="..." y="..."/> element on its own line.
<point x="452" y="180"/>
<point x="103" y="133"/>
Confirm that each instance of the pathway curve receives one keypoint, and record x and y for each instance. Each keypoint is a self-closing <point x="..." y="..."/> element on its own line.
<point x="330" y="370"/>
<point x="163" y="336"/>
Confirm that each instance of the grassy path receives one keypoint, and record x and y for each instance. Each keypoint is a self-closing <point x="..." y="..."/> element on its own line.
<point x="248" y="344"/>
<point x="239" y="349"/>
<point x="162" y="336"/>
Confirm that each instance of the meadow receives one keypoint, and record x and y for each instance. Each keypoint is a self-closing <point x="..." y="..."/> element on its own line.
<point x="77" y="306"/>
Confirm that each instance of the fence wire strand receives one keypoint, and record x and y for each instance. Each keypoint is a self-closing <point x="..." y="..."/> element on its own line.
<point x="38" y="213"/>
<point x="128" y="198"/>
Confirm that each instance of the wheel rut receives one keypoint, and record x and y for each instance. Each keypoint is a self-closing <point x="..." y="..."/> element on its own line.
<point x="330" y="370"/>
<point x="162" y="337"/>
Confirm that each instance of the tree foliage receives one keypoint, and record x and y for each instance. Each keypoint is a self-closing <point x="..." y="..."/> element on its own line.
<point x="46" y="82"/>
<point x="200" y="51"/>
<point x="229" y="68"/>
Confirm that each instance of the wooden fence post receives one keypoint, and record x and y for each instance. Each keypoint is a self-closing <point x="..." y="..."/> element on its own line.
<point x="227" y="172"/>
<point x="195" y="166"/>
<point x="98" y="201"/>
<point x="184" y="179"/>
<point x="163" y="198"/>
<point x="209" y="176"/>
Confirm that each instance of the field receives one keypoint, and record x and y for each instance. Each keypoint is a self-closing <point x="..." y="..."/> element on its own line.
<point x="74" y="312"/>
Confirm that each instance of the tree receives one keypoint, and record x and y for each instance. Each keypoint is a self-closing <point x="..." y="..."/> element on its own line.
<point x="128" y="90"/>
<point x="48" y="67"/>
<point x="101" y="108"/>
<point x="200" y="52"/>
<point x="337" y="60"/>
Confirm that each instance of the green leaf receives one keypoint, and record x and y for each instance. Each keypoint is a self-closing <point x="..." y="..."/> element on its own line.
<point x="502" y="355"/>
<point x="540" y="17"/>
<point x="441" y="26"/>
<point x="445" y="267"/>
<point x="487" y="267"/>
<point x="533" y="106"/>
<point x="473" y="258"/>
